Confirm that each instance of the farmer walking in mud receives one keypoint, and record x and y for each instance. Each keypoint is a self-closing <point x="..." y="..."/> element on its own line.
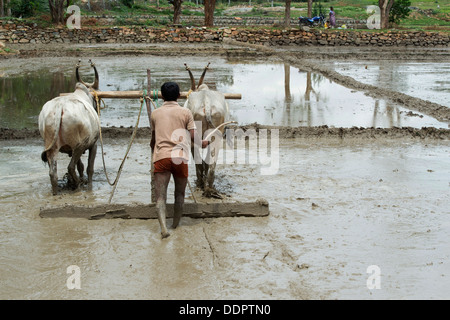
<point x="332" y="18"/>
<point x="173" y="129"/>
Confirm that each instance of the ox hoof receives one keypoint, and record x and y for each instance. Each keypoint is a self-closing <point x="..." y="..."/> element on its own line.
<point x="165" y="235"/>
<point x="211" y="193"/>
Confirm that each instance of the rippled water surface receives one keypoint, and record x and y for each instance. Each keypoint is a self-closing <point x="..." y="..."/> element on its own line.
<point x="272" y="93"/>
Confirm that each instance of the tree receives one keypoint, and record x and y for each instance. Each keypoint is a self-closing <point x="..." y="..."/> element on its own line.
<point x="310" y="8"/>
<point x="209" y="12"/>
<point x="287" y="13"/>
<point x="176" y="10"/>
<point x="57" y="10"/>
<point x="400" y="10"/>
<point x="385" y="8"/>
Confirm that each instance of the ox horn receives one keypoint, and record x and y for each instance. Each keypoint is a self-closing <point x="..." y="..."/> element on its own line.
<point x="191" y="76"/>
<point x="93" y="85"/>
<point x="77" y="73"/>
<point x="203" y="75"/>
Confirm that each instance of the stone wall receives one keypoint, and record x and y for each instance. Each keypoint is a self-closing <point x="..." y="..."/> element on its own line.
<point x="12" y="32"/>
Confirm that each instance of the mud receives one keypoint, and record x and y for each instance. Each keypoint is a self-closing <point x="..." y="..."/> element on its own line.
<point x="406" y="133"/>
<point x="341" y="200"/>
<point x="336" y="207"/>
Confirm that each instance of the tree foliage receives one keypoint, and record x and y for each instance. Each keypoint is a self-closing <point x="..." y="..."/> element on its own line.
<point x="400" y="10"/>
<point x="24" y="8"/>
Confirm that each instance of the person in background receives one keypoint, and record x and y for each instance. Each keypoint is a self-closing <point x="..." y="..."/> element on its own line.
<point x="332" y="18"/>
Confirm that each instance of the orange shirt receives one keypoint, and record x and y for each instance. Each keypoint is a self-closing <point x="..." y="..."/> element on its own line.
<point x="171" y="123"/>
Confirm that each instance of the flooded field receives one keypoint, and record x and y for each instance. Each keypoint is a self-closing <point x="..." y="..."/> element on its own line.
<point x="337" y="207"/>
<point x="272" y="93"/>
<point x="426" y="80"/>
<point x="340" y="204"/>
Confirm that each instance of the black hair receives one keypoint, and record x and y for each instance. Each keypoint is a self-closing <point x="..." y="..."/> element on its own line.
<point x="170" y="91"/>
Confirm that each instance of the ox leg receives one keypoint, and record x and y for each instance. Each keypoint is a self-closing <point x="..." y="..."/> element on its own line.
<point x="91" y="160"/>
<point x="199" y="167"/>
<point x="80" y="168"/>
<point x="53" y="173"/>
<point x="76" y="155"/>
<point x="210" y="191"/>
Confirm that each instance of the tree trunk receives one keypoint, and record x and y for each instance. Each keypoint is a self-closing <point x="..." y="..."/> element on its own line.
<point x="385" y="8"/>
<point x="2" y="9"/>
<point x="209" y="12"/>
<point x="8" y="10"/>
<point x="177" y="11"/>
<point x="310" y="8"/>
<point x="56" y="10"/>
<point x="287" y="13"/>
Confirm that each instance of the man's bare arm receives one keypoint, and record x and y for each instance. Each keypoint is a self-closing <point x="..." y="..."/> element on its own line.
<point x="195" y="137"/>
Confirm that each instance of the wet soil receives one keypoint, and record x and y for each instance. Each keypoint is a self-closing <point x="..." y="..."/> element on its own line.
<point x="336" y="208"/>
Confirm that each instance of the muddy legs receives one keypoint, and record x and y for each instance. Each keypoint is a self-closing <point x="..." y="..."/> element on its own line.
<point x="180" y="188"/>
<point x="161" y="208"/>
<point x="161" y="183"/>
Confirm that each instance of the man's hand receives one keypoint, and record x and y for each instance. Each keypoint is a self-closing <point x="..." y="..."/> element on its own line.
<point x="205" y="143"/>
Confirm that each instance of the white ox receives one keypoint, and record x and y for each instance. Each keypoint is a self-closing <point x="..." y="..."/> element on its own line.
<point x="70" y="124"/>
<point x="210" y="110"/>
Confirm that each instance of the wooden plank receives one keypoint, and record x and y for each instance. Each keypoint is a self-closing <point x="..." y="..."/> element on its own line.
<point x="259" y="208"/>
<point x="139" y="94"/>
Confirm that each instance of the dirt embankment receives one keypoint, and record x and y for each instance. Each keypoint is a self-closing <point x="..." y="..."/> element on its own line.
<point x="283" y="132"/>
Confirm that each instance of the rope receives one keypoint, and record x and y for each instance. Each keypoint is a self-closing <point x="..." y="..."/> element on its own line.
<point x="188" y="94"/>
<point x="114" y="184"/>
<point x="126" y="154"/>
<point x="155" y="97"/>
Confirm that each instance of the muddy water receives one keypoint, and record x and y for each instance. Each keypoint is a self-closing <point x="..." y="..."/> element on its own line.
<point x="337" y="207"/>
<point x="425" y="80"/>
<point x="273" y="93"/>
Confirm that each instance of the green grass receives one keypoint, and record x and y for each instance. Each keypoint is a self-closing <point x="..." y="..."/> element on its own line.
<point x="351" y="9"/>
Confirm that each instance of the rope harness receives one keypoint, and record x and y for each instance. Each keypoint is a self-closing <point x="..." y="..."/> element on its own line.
<point x="116" y="180"/>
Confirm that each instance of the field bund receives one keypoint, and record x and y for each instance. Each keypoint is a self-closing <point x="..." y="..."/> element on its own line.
<point x="12" y="32"/>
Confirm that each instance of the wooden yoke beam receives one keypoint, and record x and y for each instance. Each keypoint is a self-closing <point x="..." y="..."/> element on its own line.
<point x="139" y="94"/>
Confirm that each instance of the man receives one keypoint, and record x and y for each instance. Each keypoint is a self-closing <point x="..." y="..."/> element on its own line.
<point x="173" y="129"/>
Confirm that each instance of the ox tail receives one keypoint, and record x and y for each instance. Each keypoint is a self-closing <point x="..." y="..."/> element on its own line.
<point x="56" y="126"/>
<point x="44" y="156"/>
<point x="207" y="111"/>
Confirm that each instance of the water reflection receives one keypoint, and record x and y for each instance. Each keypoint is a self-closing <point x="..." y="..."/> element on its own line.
<point x="272" y="94"/>
<point x="278" y="94"/>
<point x="425" y="80"/>
<point x="22" y="97"/>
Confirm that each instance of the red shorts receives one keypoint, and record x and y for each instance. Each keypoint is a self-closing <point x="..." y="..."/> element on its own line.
<point x="167" y="165"/>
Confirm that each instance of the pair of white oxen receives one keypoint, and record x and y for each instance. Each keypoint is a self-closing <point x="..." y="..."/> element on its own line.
<point x="70" y="124"/>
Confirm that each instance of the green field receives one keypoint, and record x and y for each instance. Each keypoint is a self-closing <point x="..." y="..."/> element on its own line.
<point x="426" y="15"/>
<point x="434" y="19"/>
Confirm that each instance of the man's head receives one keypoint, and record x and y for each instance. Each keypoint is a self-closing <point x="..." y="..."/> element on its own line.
<point x="170" y="91"/>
